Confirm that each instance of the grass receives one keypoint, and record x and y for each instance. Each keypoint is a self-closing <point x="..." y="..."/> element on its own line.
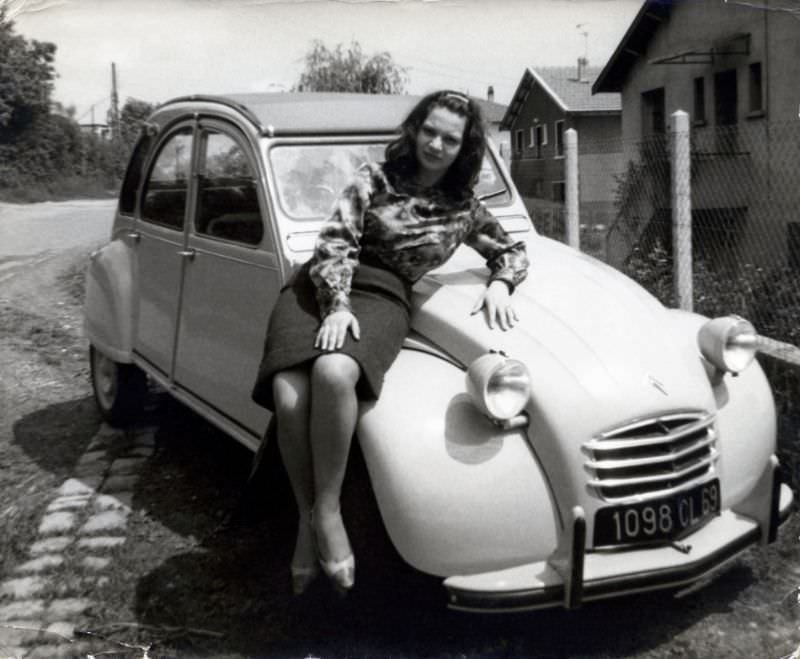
<point x="73" y="187"/>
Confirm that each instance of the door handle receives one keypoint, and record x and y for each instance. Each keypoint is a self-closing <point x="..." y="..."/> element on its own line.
<point x="187" y="253"/>
<point x="135" y="236"/>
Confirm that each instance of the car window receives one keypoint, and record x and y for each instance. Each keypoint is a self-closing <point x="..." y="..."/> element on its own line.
<point x="167" y="186"/>
<point x="227" y="205"/>
<point x="134" y="174"/>
<point x="310" y="176"/>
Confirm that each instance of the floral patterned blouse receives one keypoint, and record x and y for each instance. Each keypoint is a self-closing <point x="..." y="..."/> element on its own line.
<point x="409" y="232"/>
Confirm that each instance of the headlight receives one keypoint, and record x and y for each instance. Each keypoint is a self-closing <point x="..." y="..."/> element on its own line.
<point x="728" y="343"/>
<point x="500" y="387"/>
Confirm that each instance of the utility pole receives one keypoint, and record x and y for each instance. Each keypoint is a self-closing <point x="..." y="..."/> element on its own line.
<point x="115" y="127"/>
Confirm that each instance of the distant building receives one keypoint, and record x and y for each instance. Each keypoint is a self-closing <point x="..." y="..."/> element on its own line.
<point x="734" y="67"/>
<point x="100" y="130"/>
<point x="493" y="114"/>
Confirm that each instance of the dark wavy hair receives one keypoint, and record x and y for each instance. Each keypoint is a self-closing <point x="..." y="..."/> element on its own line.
<point x="462" y="175"/>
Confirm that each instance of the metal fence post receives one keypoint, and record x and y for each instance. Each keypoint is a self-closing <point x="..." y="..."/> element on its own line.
<point x="571" y="201"/>
<point x="681" y="197"/>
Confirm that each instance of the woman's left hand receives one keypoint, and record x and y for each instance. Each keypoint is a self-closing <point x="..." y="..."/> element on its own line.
<point x="496" y="299"/>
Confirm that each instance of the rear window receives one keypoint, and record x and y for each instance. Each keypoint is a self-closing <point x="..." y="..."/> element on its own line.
<point x="133" y="175"/>
<point x="310" y="177"/>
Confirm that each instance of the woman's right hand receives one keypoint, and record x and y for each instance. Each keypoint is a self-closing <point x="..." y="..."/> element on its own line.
<point x="333" y="331"/>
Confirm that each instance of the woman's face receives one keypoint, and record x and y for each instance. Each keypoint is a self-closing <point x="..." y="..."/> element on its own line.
<point x="439" y="140"/>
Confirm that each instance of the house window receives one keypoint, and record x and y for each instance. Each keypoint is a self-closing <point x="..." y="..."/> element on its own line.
<point x="541" y="138"/>
<point x="518" y="138"/>
<point x="725" y="97"/>
<point x="559" y="191"/>
<point x="559" y="139"/>
<point x="756" y="91"/>
<point x="699" y="100"/>
<point x="653" y="112"/>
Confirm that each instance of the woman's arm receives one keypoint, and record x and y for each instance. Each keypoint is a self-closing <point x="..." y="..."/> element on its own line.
<point x="335" y="260"/>
<point x="507" y="261"/>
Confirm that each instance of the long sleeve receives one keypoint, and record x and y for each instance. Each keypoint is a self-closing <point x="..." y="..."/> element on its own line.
<point x="338" y="246"/>
<point x="507" y="259"/>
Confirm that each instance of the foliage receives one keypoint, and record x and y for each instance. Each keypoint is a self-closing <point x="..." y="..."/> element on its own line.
<point x="349" y="70"/>
<point x="769" y="298"/>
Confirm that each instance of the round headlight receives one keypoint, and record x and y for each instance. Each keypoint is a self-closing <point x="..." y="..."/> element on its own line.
<point x="499" y="386"/>
<point x="729" y="343"/>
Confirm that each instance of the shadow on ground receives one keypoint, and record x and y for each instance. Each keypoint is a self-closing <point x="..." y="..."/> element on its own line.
<point x="234" y="580"/>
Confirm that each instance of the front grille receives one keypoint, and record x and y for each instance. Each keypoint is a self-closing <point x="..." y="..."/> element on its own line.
<point x="651" y="457"/>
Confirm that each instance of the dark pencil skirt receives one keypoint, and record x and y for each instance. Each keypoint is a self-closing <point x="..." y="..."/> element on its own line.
<point x="381" y="302"/>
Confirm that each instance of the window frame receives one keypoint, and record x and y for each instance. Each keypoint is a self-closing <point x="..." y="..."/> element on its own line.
<point x="188" y="128"/>
<point x="206" y="128"/>
<point x="560" y="143"/>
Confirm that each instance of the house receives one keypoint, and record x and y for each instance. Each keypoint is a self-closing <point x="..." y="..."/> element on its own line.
<point x="493" y="114"/>
<point x="546" y="103"/>
<point x="733" y="67"/>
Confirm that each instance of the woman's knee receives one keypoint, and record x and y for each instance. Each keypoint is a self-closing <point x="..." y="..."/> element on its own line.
<point x="336" y="372"/>
<point x="290" y="390"/>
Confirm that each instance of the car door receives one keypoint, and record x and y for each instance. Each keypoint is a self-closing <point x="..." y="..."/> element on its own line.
<point x="160" y="242"/>
<point x="231" y="282"/>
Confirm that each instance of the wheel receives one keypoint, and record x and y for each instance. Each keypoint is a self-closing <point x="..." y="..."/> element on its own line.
<point x="120" y="390"/>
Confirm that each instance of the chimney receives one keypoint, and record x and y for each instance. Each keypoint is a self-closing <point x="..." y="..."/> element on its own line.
<point x="583" y="63"/>
<point x="490" y="94"/>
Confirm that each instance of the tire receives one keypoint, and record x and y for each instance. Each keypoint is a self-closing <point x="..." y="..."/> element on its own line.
<point x="120" y="390"/>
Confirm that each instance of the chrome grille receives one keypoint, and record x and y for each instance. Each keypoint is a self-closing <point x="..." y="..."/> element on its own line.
<point x="651" y="457"/>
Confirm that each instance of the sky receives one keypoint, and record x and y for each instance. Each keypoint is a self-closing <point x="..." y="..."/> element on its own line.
<point x="168" y="48"/>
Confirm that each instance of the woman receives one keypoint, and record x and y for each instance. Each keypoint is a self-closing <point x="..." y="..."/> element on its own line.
<point x="340" y="323"/>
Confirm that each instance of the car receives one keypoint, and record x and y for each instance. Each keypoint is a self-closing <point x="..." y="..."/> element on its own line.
<point x="605" y="445"/>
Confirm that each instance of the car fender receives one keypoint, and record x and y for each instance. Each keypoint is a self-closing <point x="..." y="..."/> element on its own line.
<point x="108" y="306"/>
<point x="457" y="494"/>
<point x="745" y="423"/>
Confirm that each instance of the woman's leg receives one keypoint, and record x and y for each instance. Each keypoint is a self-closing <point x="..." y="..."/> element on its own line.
<point x="291" y="391"/>
<point x="334" y="411"/>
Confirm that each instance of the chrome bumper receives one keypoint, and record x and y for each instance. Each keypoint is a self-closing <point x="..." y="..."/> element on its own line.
<point x="587" y="576"/>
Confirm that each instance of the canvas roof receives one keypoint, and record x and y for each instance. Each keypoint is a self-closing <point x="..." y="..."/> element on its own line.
<point x="314" y="113"/>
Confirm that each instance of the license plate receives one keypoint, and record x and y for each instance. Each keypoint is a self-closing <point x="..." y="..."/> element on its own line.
<point x="658" y="520"/>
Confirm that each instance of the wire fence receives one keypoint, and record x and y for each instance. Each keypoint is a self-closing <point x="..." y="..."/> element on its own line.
<point x="744" y="223"/>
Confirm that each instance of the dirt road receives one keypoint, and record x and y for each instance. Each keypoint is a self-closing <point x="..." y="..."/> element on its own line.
<point x="111" y="541"/>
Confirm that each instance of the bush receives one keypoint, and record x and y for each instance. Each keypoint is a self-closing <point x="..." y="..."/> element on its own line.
<point x="769" y="298"/>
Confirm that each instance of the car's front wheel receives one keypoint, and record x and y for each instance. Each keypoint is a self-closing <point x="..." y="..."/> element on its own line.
<point x="120" y="390"/>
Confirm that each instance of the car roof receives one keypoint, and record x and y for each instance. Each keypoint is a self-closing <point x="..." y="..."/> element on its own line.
<point x="309" y="113"/>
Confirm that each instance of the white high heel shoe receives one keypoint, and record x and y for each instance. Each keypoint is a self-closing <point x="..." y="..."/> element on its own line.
<point x="341" y="573"/>
<point x="304" y="575"/>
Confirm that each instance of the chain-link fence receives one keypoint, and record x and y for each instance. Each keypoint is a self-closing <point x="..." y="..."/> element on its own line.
<point x="743" y="221"/>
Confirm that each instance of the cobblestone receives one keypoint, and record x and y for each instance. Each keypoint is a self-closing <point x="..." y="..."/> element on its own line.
<point x="56" y="523"/>
<point x="96" y="562"/>
<point x="51" y="545"/>
<point x="120" y="483"/>
<point x="118" y="500"/>
<point x="68" y="503"/>
<point x="22" y="609"/>
<point x="101" y="542"/>
<point x="64" y="609"/>
<point x="122" y="466"/>
<point x="63" y="629"/>
<point x="105" y="521"/>
<point x="73" y="486"/>
<point x="22" y="588"/>
<point x="41" y="563"/>
<point x="93" y="457"/>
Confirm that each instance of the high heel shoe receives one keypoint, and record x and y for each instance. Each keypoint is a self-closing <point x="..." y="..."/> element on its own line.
<point x="304" y="575"/>
<point x="341" y="573"/>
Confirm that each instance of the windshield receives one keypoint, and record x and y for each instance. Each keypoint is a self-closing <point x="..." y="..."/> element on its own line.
<point x="310" y="177"/>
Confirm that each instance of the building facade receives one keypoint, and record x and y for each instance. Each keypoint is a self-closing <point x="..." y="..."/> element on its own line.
<point x="734" y="67"/>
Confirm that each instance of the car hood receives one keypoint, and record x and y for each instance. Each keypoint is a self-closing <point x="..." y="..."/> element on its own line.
<point x="601" y="351"/>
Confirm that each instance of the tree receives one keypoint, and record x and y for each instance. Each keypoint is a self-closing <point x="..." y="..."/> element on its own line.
<point x="350" y="70"/>
<point x="26" y="79"/>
